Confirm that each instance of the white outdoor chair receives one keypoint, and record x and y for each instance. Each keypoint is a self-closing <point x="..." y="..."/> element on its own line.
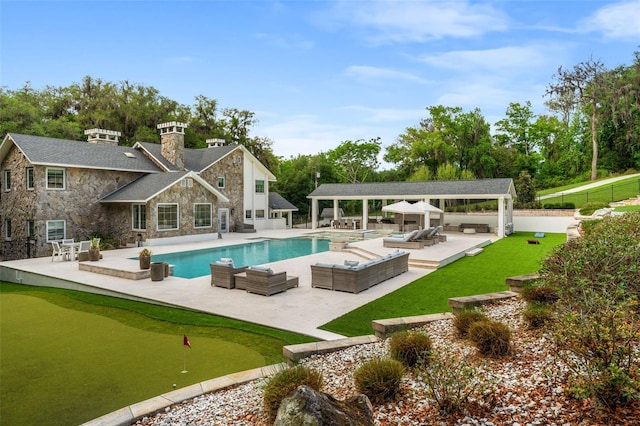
<point x="60" y="251"/>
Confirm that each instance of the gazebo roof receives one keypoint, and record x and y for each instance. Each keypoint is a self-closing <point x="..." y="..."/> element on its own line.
<point x="450" y="189"/>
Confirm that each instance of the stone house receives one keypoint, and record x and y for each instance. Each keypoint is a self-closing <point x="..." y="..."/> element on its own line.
<point x="54" y="188"/>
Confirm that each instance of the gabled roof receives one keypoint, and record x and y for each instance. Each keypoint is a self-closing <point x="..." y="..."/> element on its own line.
<point x="149" y="186"/>
<point x="54" y="152"/>
<point x="198" y="160"/>
<point x="278" y="202"/>
<point x="469" y="189"/>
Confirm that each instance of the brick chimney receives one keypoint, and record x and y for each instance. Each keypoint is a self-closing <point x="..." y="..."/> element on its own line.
<point x="107" y="137"/>
<point x="172" y="141"/>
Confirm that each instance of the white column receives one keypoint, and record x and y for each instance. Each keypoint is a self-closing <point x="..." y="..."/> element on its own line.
<point x="500" y="217"/>
<point x="314" y="213"/>
<point x="335" y="209"/>
<point x="365" y="213"/>
<point x="384" y="203"/>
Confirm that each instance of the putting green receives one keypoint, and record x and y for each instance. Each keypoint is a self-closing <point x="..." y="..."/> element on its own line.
<point x="62" y="366"/>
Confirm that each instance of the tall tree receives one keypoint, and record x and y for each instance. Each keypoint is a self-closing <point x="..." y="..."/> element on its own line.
<point x="356" y="160"/>
<point x="589" y="83"/>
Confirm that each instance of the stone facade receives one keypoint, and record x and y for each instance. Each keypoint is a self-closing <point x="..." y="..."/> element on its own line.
<point x="185" y="198"/>
<point x="83" y="187"/>
<point x="79" y="203"/>
<point x="232" y="171"/>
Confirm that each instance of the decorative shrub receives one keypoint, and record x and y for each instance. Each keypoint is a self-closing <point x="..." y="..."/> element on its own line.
<point x="379" y="379"/>
<point x="492" y="338"/>
<point x="537" y="314"/>
<point x="587" y="209"/>
<point x="597" y="315"/>
<point x="451" y="381"/>
<point x="463" y="320"/>
<point x="565" y="206"/>
<point x="284" y="383"/>
<point x="410" y="348"/>
<point x="540" y="294"/>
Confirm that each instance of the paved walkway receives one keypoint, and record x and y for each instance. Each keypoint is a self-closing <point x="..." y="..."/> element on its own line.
<point x="590" y="186"/>
<point x="300" y="310"/>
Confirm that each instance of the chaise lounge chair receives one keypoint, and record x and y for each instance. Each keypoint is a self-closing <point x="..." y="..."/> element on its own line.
<point x="409" y="241"/>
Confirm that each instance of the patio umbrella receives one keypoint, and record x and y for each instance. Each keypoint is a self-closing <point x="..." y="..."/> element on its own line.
<point x="402" y="207"/>
<point x="427" y="208"/>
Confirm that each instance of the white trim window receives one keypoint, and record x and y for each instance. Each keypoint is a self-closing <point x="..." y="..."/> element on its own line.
<point x="56" y="230"/>
<point x="259" y="186"/>
<point x="31" y="229"/>
<point x="167" y="216"/>
<point x="139" y="217"/>
<point x="7" y="180"/>
<point x="30" y="178"/>
<point x="221" y="181"/>
<point x="259" y="213"/>
<point x="247" y="214"/>
<point x="202" y="215"/>
<point x="55" y="178"/>
<point x="7" y="229"/>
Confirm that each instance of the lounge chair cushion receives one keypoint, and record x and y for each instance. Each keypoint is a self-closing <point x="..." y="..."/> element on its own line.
<point x="325" y="265"/>
<point x="262" y="268"/>
<point x="411" y="235"/>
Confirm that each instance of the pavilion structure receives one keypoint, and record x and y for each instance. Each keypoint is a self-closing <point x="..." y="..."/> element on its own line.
<point x="502" y="190"/>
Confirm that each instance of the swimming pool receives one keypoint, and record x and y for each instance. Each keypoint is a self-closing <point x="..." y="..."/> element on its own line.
<point x="195" y="263"/>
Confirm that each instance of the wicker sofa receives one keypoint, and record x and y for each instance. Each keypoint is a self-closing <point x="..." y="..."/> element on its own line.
<point x="354" y="278"/>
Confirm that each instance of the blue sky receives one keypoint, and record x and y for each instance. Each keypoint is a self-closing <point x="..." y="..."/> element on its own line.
<point x="317" y="73"/>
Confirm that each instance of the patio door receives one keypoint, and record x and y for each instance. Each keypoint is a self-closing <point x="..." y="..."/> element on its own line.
<point x="223" y="220"/>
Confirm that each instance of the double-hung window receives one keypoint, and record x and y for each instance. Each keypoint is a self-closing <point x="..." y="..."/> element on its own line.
<point x="55" y="178"/>
<point x="7" y="229"/>
<point x="202" y="216"/>
<point x="259" y="214"/>
<point x="221" y="182"/>
<point x="139" y="217"/>
<point x="30" y="180"/>
<point x="259" y="187"/>
<point x="55" y="230"/>
<point x="167" y="217"/>
<point x="7" y="180"/>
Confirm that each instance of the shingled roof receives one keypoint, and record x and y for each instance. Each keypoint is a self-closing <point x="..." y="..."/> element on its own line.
<point x="46" y="151"/>
<point x="278" y="202"/>
<point x="194" y="159"/>
<point x="148" y="186"/>
<point x="478" y="189"/>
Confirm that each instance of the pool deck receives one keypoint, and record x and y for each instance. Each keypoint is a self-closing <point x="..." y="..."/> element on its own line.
<point x="301" y="310"/>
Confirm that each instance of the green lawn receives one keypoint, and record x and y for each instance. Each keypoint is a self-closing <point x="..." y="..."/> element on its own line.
<point x="617" y="191"/>
<point x="484" y="273"/>
<point x="67" y="357"/>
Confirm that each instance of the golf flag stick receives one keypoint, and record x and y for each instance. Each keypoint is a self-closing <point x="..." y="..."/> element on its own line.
<point x="185" y="343"/>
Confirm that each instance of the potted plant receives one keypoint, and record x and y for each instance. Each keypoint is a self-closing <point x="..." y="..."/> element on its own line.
<point x="94" y="250"/>
<point x="145" y="258"/>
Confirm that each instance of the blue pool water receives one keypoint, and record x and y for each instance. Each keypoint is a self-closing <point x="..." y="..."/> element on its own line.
<point x="195" y="263"/>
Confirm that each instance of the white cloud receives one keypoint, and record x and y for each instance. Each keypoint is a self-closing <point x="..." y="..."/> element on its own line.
<point x="618" y="21"/>
<point x="498" y="59"/>
<point x="368" y="73"/>
<point x="412" y="21"/>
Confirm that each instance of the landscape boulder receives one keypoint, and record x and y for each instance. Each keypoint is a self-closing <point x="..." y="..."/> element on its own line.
<point x="309" y="407"/>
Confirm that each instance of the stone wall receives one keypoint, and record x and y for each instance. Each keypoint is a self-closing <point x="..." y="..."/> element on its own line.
<point x="185" y="197"/>
<point x="77" y="205"/>
<point x="234" y="184"/>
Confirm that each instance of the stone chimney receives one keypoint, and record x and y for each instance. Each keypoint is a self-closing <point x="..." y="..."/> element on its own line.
<point x="172" y="140"/>
<point x="214" y="143"/>
<point x="107" y="137"/>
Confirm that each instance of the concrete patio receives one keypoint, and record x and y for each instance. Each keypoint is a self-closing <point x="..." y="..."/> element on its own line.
<point x="300" y="310"/>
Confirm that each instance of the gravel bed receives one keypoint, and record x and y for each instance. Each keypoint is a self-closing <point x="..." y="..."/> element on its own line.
<point x="525" y="388"/>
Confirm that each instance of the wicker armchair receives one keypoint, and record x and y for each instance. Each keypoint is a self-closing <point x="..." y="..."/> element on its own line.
<point x="223" y="275"/>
